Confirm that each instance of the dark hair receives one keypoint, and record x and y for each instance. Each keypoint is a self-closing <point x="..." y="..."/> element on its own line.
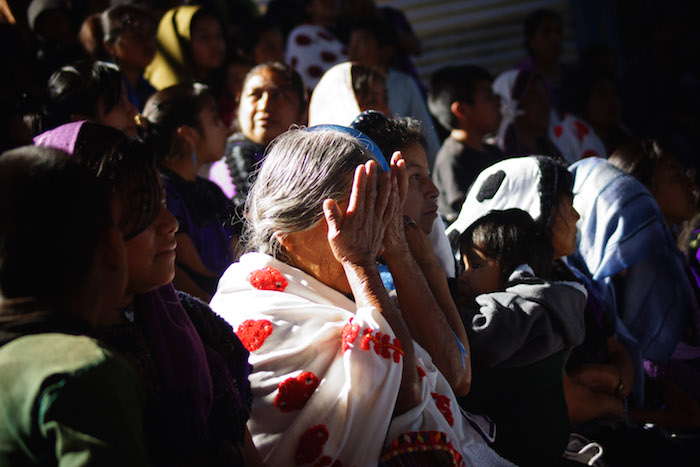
<point x="556" y="182"/>
<point x="382" y="30"/>
<point x="390" y="134"/>
<point x="129" y="169"/>
<point x="639" y="158"/>
<point x="288" y="75"/>
<point x="78" y="89"/>
<point x="363" y="76"/>
<point x="511" y="238"/>
<point x="170" y="108"/>
<point x="533" y="22"/>
<point x="453" y="84"/>
<point x="53" y="212"/>
<point x="252" y="32"/>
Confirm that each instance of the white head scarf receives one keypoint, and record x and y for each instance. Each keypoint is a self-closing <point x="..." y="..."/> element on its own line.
<point x="333" y="100"/>
<point x="503" y="88"/>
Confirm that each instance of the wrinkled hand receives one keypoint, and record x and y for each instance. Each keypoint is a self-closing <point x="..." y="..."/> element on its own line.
<point x="394" y="238"/>
<point x="356" y="236"/>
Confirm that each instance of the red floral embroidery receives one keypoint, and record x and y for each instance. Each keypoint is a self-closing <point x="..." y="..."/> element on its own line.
<point x="311" y="444"/>
<point x="421" y="441"/>
<point x="558" y="131"/>
<point x="348" y="335"/>
<point x="421" y="373"/>
<point x="253" y="333"/>
<point x="267" y="278"/>
<point x="315" y="71"/>
<point x="443" y="404"/>
<point x="293" y="393"/>
<point x="581" y="130"/>
<point x="302" y="39"/>
<point x="382" y="346"/>
<point x="329" y="57"/>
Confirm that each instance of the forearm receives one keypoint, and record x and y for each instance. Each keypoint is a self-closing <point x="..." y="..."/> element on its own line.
<point x="368" y="290"/>
<point x="428" y="319"/>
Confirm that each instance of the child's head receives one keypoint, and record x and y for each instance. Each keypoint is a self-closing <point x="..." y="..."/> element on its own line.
<point x="372" y="42"/>
<point x="129" y="36"/>
<point x="369" y="85"/>
<point x="272" y="99"/>
<point x="183" y="121"/>
<point x="493" y="246"/>
<point x="405" y="135"/>
<point x="663" y="173"/>
<point x="461" y="97"/>
<point x="89" y="91"/>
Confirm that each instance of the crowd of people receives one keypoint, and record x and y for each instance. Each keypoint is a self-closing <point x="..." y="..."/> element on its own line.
<point x="229" y="238"/>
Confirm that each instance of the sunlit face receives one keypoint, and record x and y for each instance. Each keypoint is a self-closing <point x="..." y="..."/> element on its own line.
<point x="563" y="227"/>
<point x="481" y="274"/>
<point x="136" y="46"/>
<point x="486" y="111"/>
<point x="420" y="204"/>
<point x="151" y="254"/>
<point x="374" y="97"/>
<point x="208" y="44"/>
<point x="122" y="116"/>
<point x="673" y="190"/>
<point x="270" y="47"/>
<point x="267" y="108"/>
<point x="210" y="137"/>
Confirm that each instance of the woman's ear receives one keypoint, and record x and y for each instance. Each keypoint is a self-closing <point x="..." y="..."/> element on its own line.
<point x="459" y="109"/>
<point x="187" y="134"/>
<point x="287" y="241"/>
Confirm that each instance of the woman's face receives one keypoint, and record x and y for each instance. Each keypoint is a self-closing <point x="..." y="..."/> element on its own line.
<point x="481" y="274"/>
<point x="122" y="116"/>
<point x="210" y="137"/>
<point x="545" y="43"/>
<point x="136" y="46"/>
<point x="563" y="227"/>
<point x="208" y="44"/>
<point x="603" y="107"/>
<point x="151" y="254"/>
<point x="535" y="105"/>
<point x="673" y="190"/>
<point x="268" y="106"/>
<point x="420" y="202"/>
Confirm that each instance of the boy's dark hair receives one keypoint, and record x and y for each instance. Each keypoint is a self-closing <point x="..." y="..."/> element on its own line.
<point x="382" y="31"/>
<point x="53" y="212"/>
<point x="533" y="22"/>
<point x="511" y="238"/>
<point x="287" y="73"/>
<point x="78" y="89"/>
<point x="390" y="134"/>
<point x="453" y="84"/>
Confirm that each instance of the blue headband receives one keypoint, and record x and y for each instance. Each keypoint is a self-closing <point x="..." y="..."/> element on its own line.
<point x="364" y="140"/>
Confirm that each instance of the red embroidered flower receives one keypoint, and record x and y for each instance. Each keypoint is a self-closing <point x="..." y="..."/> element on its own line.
<point x="302" y="39"/>
<point x="443" y="404"/>
<point x="293" y="393"/>
<point x="421" y="373"/>
<point x="311" y="444"/>
<point x="253" y="333"/>
<point x="558" y="131"/>
<point x="329" y="57"/>
<point x="267" y="278"/>
<point x="382" y="346"/>
<point x="581" y="130"/>
<point x="315" y="71"/>
<point x="348" y="335"/>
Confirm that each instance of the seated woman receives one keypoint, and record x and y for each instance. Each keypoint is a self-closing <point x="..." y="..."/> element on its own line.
<point x="185" y="132"/>
<point x="337" y="375"/>
<point x="91" y="91"/>
<point x="272" y="99"/>
<point x="65" y="397"/>
<point x="192" y="366"/>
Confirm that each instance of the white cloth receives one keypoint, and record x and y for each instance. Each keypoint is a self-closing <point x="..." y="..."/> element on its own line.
<point x="575" y="139"/>
<point x="503" y="87"/>
<point x="333" y="100"/>
<point x="348" y="416"/>
<point x="312" y="50"/>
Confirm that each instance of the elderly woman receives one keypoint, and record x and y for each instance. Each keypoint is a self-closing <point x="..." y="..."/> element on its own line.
<point x="338" y="376"/>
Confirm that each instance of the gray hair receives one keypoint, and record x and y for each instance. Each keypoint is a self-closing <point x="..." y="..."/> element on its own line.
<point x="301" y="170"/>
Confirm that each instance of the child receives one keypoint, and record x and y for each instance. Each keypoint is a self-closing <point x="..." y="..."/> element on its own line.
<point x="462" y="100"/>
<point x="521" y="328"/>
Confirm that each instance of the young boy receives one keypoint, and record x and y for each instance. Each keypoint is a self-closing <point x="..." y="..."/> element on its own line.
<point x="462" y="100"/>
